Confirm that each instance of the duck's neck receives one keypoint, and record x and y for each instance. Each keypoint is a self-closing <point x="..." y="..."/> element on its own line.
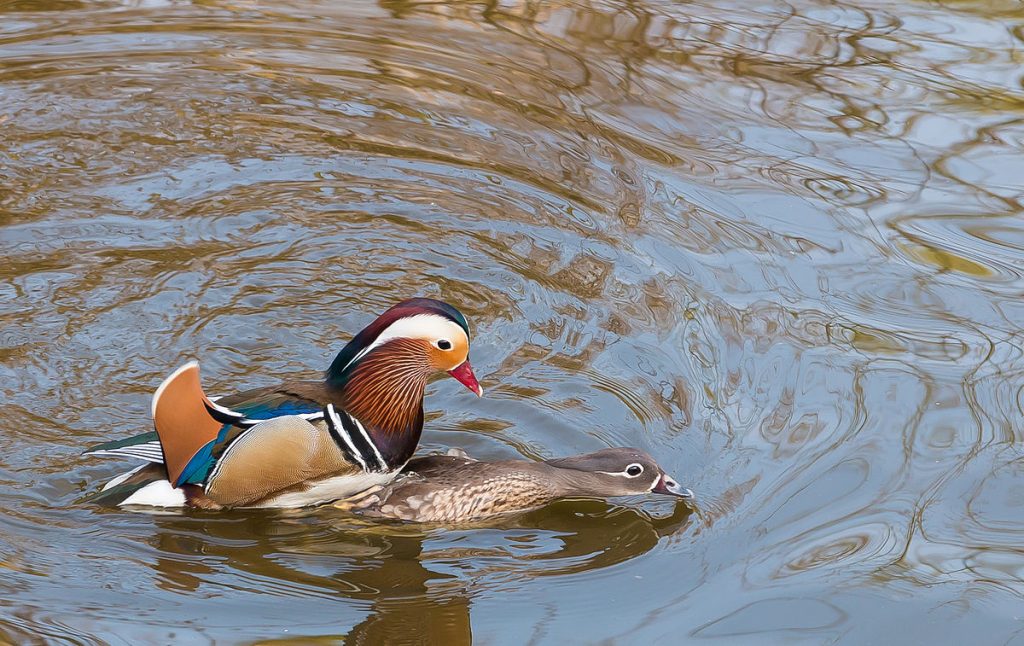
<point x="384" y="391"/>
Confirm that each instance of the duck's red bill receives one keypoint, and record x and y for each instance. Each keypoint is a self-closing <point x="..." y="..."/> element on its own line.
<point x="464" y="374"/>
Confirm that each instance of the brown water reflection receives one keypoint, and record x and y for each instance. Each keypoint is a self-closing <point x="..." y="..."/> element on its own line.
<point x="777" y="245"/>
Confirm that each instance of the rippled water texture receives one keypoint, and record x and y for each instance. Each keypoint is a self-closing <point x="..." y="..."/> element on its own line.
<point x="778" y="245"/>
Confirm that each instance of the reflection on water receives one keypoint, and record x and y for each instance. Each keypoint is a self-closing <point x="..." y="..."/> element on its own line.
<point x="777" y="245"/>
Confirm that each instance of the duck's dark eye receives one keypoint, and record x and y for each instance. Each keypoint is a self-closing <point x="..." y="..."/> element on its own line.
<point x="444" y="344"/>
<point x="634" y="470"/>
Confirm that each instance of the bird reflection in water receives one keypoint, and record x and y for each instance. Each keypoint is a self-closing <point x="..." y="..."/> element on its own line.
<point x="410" y="579"/>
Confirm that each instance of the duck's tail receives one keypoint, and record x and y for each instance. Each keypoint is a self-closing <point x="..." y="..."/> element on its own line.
<point x="145" y="485"/>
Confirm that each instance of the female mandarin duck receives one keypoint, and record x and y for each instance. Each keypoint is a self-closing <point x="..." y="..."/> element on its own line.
<point x="299" y="443"/>
<point x="455" y="488"/>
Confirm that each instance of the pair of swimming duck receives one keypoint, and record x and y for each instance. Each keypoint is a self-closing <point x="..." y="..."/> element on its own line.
<point x="351" y="437"/>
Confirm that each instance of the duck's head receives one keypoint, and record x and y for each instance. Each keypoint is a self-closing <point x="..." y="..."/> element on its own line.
<point x="617" y="472"/>
<point x="418" y="335"/>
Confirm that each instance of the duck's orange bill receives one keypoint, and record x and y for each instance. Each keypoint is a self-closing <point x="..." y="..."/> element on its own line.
<point x="464" y="374"/>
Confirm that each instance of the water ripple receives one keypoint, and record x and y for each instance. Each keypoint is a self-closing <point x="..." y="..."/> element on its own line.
<point x="775" y="244"/>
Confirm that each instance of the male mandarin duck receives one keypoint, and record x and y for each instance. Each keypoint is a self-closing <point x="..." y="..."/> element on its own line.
<point x="303" y="442"/>
<point x="455" y="488"/>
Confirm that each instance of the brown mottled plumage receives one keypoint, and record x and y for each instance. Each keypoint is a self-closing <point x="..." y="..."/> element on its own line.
<point x="455" y="488"/>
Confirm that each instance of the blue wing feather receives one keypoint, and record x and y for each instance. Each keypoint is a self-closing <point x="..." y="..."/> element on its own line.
<point x="199" y="466"/>
<point x="269" y="410"/>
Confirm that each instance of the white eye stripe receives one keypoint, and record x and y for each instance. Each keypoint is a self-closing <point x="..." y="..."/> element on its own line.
<point x="625" y="472"/>
<point x="419" y="326"/>
<point x="657" y="480"/>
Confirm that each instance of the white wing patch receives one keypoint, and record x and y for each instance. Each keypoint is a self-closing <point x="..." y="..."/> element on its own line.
<point x="156" y="494"/>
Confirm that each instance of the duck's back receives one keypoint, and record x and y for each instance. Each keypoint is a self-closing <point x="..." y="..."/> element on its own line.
<point x="450" y="489"/>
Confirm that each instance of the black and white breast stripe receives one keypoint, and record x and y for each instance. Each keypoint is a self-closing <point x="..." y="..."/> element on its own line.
<point x="354" y="441"/>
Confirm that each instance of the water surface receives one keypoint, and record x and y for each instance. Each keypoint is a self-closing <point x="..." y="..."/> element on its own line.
<point x="778" y="245"/>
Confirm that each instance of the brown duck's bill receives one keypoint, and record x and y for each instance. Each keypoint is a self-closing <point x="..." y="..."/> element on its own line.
<point x="670" y="487"/>
<point x="464" y="374"/>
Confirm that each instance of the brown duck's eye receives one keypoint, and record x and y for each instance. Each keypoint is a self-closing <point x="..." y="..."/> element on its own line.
<point x="444" y="344"/>
<point x="634" y="470"/>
